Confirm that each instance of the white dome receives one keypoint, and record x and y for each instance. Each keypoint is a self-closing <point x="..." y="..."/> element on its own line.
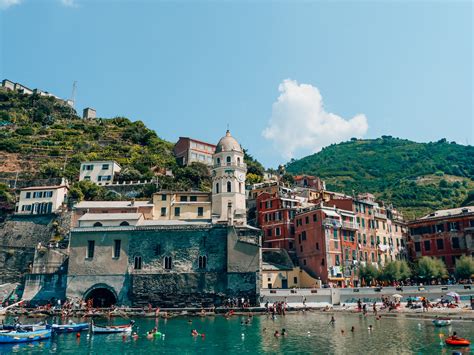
<point x="228" y="144"/>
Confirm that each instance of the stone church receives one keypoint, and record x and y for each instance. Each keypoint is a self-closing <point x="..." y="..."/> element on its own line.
<point x="126" y="259"/>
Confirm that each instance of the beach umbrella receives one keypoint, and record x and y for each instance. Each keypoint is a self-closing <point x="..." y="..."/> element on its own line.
<point x="397" y="296"/>
<point x="452" y="294"/>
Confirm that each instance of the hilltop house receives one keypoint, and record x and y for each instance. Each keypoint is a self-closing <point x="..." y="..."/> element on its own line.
<point x="99" y="172"/>
<point x="188" y="150"/>
<point x="41" y="199"/>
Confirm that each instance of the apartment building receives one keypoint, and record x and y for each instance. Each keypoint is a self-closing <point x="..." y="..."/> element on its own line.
<point x="188" y="150"/>
<point x="182" y="205"/>
<point x="99" y="172"/>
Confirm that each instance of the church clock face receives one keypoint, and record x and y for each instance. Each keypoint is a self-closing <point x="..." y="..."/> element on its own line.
<point x="240" y="177"/>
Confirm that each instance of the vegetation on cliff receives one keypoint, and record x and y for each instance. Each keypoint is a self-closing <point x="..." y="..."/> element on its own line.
<point x="415" y="177"/>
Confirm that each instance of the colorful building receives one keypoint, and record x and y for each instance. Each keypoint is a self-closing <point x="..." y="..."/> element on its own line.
<point x="189" y="150"/>
<point x="41" y="199"/>
<point x="444" y="234"/>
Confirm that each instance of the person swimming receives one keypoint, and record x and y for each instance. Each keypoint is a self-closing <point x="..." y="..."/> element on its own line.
<point x="283" y="332"/>
<point x="352" y="329"/>
<point x="194" y="333"/>
<point x="370" y="328"/>
<point x="332" y="321"/>
<point x="276" y="334"/>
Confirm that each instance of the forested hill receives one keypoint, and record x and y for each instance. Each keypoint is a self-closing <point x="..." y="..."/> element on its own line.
<point x="41" y="138"/>
<point x="415" y="177"/>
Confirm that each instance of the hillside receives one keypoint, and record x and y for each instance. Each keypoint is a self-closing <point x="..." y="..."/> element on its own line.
<point x="415" y="177"/>
<point x="42" y="138"/>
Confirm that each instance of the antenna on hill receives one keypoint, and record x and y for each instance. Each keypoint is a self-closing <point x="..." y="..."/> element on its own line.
<point x="73" y="95"/>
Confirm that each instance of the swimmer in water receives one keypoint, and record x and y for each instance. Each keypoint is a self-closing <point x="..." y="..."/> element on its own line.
<point x="352" y="329"/>
<point x="283" y="332"/>
<point x="370" y="327"/>
<point x="276" y="334"/>
<point x="194" y="333"/>
<point x="332" y="320"/>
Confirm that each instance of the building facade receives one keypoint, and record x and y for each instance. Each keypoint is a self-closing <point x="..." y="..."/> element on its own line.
<point x="182" y="205"/>
<point x="188" y="150"/>
<point x="444" y="234"/>
<point x="41" y="199"/>
<point x="99" y="172"/>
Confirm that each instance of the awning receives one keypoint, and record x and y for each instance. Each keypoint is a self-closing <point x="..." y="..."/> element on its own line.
<point x="331" y="213"/>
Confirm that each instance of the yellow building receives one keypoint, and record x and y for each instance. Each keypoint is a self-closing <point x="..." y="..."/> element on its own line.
<point x="278" y="271"/>
<point x="182" y="205"/>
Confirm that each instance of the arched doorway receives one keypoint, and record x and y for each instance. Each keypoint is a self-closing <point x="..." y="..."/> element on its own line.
<point x="102" y="296"/>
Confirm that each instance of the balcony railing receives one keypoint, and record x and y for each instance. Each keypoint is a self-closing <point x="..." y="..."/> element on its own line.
<point x="350" y="225"/>
<point x="380" y="215"/>
<point x="328" y="222"/>
<point x="231" y="165"/>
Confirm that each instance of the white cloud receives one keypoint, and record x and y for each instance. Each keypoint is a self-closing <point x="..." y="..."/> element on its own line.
<point x="7" y="3"/>
<point x="69" y="3"/>
<point x="299" y="123"/>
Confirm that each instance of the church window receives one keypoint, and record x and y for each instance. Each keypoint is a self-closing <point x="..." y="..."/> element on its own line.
<point x="217" y="188"/>
<point x="238" y="161"/>
<point x="168" y="262"/>
<point x="229" y="186"/>
<point x="97" y="224"/>
<point x="228" y="160"/>
<point x="124" y="223"/>
<point x="137" y="263"/>
<point x="202" y="261"/>
<point x="218" y="161"/>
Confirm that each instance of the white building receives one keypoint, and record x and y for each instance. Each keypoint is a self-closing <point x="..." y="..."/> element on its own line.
<point x="228" y="180"/>
<point x="99" y="172"/>
<point x="89" y="113"/>
<point x="41" y="199"/>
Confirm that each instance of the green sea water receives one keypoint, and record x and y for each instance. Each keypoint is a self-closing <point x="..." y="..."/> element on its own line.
<point x="308" y="333"/>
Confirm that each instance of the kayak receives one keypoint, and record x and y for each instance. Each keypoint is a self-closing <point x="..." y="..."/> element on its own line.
<point x="23" y="337"/>
<point x="441" y="322"/>
<point x="69" y="328"/>
<point x="457" y="341"/>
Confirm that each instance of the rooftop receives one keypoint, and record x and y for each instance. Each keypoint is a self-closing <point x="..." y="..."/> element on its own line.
<point x="44" y="187"/>
<point x="449" y="212"/>
<point x="110" y="216"/>
<point x="112" y="204"/>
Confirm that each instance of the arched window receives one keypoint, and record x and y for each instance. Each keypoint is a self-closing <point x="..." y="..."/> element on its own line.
<point x="228" y="160"/>
<point x="238" y="161"/>
<point x="202" y="261"/>
<point x="97" y="224"/>
<point x="124" y="223"/>
<point x="137" y="264"/>
<point x="217" y="188"/>
<point x="229" y="186"/>
<point x="168" y="262"/>
<point x="218" y="161"/>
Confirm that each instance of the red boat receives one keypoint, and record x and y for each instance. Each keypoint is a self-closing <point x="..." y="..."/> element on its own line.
<point x="457" y="341"/>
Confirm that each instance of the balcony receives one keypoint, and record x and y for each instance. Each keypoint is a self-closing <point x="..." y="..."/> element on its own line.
<point x="380" y="215"/>
<point x="334" y="223"/>
<point x="350" y="225"/>
<point x="232" y="165"/>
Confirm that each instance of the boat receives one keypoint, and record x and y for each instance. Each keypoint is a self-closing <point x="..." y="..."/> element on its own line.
<point x="442" y="322"/>
<point x="69" y="328"/>
<point x="127" y="328"/>
<point x="13" y="336"/>
<point x="25" y="327"/>
<point x="457" y="341"/>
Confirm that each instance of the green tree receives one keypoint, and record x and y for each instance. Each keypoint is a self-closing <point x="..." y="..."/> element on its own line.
<point x="369" y="273"/>
<point x="86" y="190"/>
<point x="429" y="268"/>
<point x="405" y="271"/>
<point x="395" y="271"/>
<point x="464" y="267"/>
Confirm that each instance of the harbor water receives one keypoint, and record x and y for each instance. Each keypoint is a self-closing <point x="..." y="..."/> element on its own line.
<point x="308" y="333"/>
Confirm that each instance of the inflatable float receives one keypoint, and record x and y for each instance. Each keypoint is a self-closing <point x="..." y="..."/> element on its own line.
<point x="457" y="341"/>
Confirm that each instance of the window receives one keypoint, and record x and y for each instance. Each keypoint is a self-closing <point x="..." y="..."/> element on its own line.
<point x="87" y="178"/>
<point x="117" y="243"/>
<point x="105" y="166"/>
<point x="335" y="233"/>
<point x="228" y="159"/>
<point x="90" y="249"/>
<point x="28" y="195"/>
<point x="269" y="232"/>
<point x="322" y="262"/>
<point x="88" y="167"/>
<point x="317" y="246"/>
<point x="363" y="223"/>
<point x="177" y="211"/>
<point x="338" y="262"/>
<point x="200" y="211"/>
<point x="183" y="198"/>
<point x="306" y="220"/>
<point x="217" y="188"/>
<point x="157" y="249"/>
<point x="417" y="247"/>
<point x="303" y="235"/>
<point x="137" y="263"/>
<point x="163" y="197"/>
<point x="304" y="261"/>
<point x="295" y="280"/>
<point x="168" y="262"/>
<point x="240" y="188"/>
<point x="336" y="244"/>
<point x="124" y="223"/>
<point x="455" y="242"/>
<point x="97" y="224"/>
<point x="238" y="161"/>
<point x="277" y="231"/>
<point x="38" y="194"/>
<point x="202" y="261"/>
<point x="163" y="211"/>
<point x="229" y="186"/>
<point x="193" y="198"/>
<point x="373" y="257"/>
<point x="301" y="248"/>
<point x="290" y="245"/>
<point x="439" y="244"/>
<point x="218" y="161"/>
<point x="315" y="218"/>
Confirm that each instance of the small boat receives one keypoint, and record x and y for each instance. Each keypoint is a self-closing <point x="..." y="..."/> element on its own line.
<point x="127" y="328"/>
<point x="13" y="336"/>
<point x="25" y="327"/>
<point x="69" y="328"/>
<point x="457" y="341"/>
<point x="442" y="322"/>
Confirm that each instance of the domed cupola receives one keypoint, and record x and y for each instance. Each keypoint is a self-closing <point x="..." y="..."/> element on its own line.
<point x="228" y="144"/>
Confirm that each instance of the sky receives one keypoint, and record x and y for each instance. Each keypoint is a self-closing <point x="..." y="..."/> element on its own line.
<point x="287" y="77"/>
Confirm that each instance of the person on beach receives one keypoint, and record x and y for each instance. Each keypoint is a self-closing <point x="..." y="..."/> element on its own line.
<point x="374" y="308"/>
<point x="352" y="329"/>
<point x="359" y="305"/>
<point x="332" y="321"/>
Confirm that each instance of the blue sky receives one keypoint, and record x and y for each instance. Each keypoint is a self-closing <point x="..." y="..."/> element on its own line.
<point x="189" y="68"/>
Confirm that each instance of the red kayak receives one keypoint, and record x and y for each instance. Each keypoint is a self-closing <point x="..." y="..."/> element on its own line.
<point x="457" y="341"/>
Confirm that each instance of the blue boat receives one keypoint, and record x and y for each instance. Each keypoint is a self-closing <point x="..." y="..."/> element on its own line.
<point x="12" y="336"/>
<point x="69" y="328"/>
